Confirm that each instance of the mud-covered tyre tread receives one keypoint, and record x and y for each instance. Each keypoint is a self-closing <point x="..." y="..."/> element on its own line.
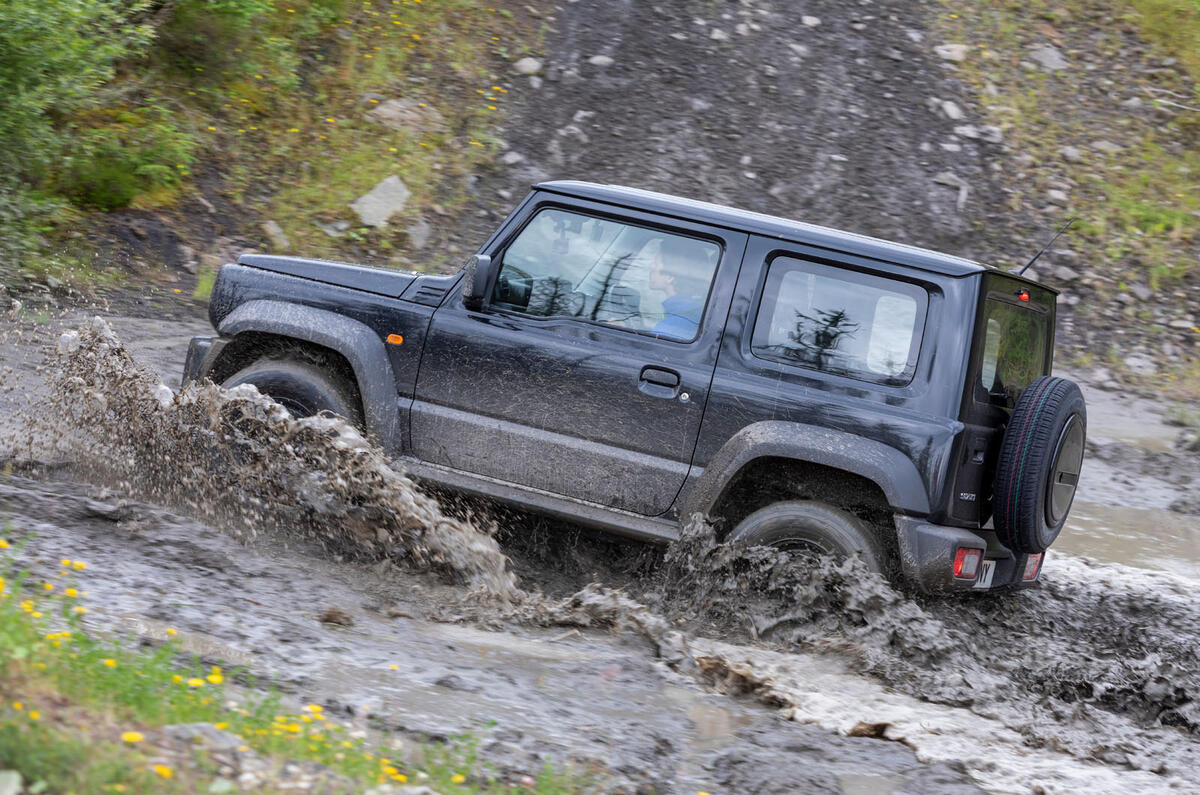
<point x="850" y="534"/>
<point x="292" y="381"/>
<point x="1022" y="475"/>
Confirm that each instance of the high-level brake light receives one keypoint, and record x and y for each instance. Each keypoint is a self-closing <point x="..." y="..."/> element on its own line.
<point x="1033" y="564"/>
<point x="1022" y="295"/>
<point x="966" y="563"/>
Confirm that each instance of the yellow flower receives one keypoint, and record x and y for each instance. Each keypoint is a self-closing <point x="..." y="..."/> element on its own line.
<point x="78" y="565"/>
<point x="216" y="679"/>
<point x="2" y="585"/>
<point x="110" y="662"/>
<point x="66" y="563"/>
<point x="35" y="715"/>
<point x="176" y="678"/>
<point x="132" y="737"/>
<point x="458" y="778"/>
<point x="80" y="610"/>
<point x="400" y="777"/>
<point x="164" y="771"/>
<point x="3" y="544"/>
<point x="17" y="705"/>
<point x="172" y="631"/>
<point x="314" y="708"/>
<point x="222" y="726"/>
<point x="195" y="682"/>
<point x="71" y="592"/>
<point x="48" y="586"/>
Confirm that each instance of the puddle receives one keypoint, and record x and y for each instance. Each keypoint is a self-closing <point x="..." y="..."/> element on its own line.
<point x="1149" y="538"/>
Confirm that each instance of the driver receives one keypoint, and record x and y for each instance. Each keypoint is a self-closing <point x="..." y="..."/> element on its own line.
<point x="681" y="272"/>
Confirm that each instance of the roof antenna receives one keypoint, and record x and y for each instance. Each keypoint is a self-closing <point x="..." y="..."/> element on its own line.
<point x="1066" y="226"/>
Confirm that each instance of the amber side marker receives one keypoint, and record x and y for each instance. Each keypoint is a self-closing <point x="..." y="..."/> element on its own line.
<point x="395" y="339"/>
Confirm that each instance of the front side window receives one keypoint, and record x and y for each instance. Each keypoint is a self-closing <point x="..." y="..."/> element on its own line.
<point x="840" y="321"/>
<point x="565" y="264"/>
<point x="1015" y="339"/>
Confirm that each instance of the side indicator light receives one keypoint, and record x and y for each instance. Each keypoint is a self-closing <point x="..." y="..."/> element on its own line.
<point x="1022" y="295"/>
<point x="1033" y="565"/>
<point x="395" y="339"/>
<point x="966" y="562"/>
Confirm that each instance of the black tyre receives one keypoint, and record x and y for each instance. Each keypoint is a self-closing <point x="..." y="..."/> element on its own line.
<point x="303" y="388"/>
<point x="808" y="527"/>
<point x="1038" y="469"/>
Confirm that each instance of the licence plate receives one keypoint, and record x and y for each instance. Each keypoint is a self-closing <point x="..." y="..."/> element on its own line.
<point x="985" y="576"/>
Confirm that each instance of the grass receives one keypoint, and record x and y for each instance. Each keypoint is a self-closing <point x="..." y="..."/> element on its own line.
<point x="83" y="712"/>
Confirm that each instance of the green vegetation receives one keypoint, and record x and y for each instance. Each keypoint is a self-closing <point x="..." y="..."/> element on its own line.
<point x="80" y="712"/>
<point x="106" y="104"/>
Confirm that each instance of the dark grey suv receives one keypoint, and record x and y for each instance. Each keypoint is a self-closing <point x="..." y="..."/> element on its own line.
<point x="626" y="359"/>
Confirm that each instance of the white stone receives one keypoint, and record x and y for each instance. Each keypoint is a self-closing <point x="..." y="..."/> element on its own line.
<point x="953" y="111"/>
<point x="1049" y="58"/>
<point x="275" y="234"/>
<point x="952" y="52"/>
<point x="408" y="114"/>
<point x="382" y="202"/>
<point x="600" y="60"/>
<point x="810" y="22"/>
<point x="527" y="66"/>
<point x="718" y="35"/>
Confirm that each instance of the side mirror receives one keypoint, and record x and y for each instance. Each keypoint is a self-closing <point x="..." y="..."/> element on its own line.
<point x="479" y="279"/>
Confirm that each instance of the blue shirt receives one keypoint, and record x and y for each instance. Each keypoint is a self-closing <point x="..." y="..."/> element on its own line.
<point x="682" y="319"/>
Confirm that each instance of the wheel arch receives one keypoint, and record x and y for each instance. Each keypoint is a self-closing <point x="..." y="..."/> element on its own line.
<point x="774" y="459"/>
<point x="262" y="324"/>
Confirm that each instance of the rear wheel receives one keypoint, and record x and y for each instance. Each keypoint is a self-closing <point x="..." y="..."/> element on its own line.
<point x="807" y="527"/>
<point x="303" y="388"/>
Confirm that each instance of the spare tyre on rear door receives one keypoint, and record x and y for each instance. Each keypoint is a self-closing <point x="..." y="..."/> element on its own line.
<point x="1038" y="469"/>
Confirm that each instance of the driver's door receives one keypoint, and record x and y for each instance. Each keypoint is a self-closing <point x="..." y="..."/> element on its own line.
<point x="559" y="382"/>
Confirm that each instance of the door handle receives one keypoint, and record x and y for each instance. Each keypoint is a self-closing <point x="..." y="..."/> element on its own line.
<point x="660" y="377"/>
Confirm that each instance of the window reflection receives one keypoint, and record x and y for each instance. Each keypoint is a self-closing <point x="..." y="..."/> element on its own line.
<point x="839" y="321"/>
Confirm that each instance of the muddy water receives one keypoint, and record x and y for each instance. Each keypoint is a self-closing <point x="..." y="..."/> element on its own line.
<point x="1085" y="683"/>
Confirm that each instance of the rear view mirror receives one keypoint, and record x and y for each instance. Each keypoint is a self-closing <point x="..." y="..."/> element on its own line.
<point x="478" y="281"/>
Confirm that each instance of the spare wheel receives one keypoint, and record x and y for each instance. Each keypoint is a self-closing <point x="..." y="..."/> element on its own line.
<point x="1038" y="469"/>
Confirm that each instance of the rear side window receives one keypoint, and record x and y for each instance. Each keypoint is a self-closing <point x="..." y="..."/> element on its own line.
<point x="1014" y="349"/>
<point x="840" y="321"/>
<point x="565" y="264"/>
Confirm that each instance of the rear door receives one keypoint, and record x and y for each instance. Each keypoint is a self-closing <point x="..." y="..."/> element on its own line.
<point x="587" y="371"/>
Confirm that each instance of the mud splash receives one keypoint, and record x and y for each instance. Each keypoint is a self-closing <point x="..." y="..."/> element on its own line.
<point x="1086" y="682"/>
<point x="239" y="459"/>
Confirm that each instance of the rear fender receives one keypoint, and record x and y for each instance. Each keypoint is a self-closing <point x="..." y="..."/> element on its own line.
<point x="885" y="466"/>
<point x="361" y="346"/>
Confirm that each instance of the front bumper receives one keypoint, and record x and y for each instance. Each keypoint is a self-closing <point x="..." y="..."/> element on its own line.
<point x="202" y="353"/>
<point x="927" y="557"/>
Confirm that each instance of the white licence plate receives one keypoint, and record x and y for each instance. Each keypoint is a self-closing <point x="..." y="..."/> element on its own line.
<point x="985" y="576"/>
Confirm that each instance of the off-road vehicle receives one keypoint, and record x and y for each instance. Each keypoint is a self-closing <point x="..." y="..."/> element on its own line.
<point x="624" y="360"/>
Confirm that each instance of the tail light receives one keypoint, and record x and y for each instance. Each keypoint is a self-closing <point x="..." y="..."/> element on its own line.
<point x="966" y="562"/>
<point x="1033" y="565"/>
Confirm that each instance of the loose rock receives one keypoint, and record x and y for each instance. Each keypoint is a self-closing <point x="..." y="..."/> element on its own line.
<point x="952" y="52"/>
<point x="527" y="66"/>
<point x="275" y="234"/>
<point x="419" y="118"/>
<point x="384" y="200"/>
<point x="1049" y="58"/>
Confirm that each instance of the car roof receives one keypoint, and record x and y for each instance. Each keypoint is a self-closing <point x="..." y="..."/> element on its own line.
<point x="768" y="225"/>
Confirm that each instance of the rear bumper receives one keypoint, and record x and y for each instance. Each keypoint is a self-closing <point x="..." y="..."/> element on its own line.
<point x="927" y="556"/>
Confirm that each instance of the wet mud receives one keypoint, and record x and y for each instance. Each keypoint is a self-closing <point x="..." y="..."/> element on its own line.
<point x="707" y="667"/>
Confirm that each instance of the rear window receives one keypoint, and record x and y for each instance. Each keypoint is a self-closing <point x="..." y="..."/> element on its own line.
<point x="840" y="321"/>
<point x="1015" y="338"/>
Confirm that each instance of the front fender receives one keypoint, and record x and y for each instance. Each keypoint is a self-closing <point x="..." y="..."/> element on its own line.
<point x="886" y="466"/>
<point x="361" y="346"/>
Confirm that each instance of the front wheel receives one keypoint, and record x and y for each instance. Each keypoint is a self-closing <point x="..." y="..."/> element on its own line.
<point x="814" y="528"/>
<point x="303" y="388"/>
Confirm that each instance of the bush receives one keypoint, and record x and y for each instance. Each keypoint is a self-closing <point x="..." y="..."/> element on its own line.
<point x="134" y="152"/>
<point x="54" y="55"/>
